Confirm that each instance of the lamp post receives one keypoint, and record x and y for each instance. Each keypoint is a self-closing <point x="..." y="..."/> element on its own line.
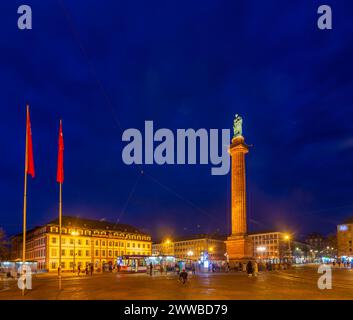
<point x="287" y="237"/>
<point x="74" y="233"/>
<point x="190" y="253"/>
<point x="165" y="248"/>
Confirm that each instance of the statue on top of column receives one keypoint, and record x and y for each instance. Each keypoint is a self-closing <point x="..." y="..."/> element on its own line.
<point x="238" y="126"/>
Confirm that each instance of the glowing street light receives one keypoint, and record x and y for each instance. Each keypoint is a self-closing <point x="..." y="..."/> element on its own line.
<point x="190" y="253"/>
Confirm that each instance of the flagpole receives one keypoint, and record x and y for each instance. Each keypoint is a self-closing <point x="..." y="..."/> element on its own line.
<point x="25" y="205"/>
<point x="60" y="222"/>
<point x="60" y="217"/>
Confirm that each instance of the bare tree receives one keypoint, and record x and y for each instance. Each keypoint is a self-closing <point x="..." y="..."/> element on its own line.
<point x="4" y="250"/>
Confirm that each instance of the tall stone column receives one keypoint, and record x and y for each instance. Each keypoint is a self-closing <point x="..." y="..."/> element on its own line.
<point x="239" y="245"/>
<point x="238" y="149"/>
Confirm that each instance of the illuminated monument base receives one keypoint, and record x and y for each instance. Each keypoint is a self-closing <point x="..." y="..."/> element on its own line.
<point x="239" y="248"/>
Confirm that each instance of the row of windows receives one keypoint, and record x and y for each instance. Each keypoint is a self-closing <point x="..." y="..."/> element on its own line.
<point x="54" y="240"/>
<point x="96" y="232"/>
<point x="87" y="253"/>
<point x="35" y="254"/>
<point x="266" y="236"/>
<point x="196" y="242"/>
<point x="37" y="242"/>
<point x="266" y="242"/>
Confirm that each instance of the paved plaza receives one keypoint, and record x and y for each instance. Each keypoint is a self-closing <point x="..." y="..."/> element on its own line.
<point x="296" y="283"/>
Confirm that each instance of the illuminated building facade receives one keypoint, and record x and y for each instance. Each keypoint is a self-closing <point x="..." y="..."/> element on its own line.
<point x="278" y="246"/>
<point x="192" y="247"/>
<point x="164" y="248"/>
<point x="83" y="242"/>
<point x="345" y="239"/>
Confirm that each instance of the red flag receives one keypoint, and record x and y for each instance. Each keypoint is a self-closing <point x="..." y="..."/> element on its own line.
<point x="60" y="171"/>
<point x="29" y="151"/>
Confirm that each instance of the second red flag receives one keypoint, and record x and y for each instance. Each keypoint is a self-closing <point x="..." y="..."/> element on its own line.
<point x="60" y="171"/>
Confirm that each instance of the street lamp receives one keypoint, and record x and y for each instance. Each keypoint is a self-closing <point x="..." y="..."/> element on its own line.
<point x="74" y="233"/>
<point x="287" y="237"/>
<point x="190" y="253"/>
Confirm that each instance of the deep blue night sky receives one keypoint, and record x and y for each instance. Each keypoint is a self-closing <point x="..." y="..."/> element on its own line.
<point x="105" y="66"/>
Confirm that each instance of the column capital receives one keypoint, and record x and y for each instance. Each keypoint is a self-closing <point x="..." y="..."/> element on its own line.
<point x="238" y="145"/>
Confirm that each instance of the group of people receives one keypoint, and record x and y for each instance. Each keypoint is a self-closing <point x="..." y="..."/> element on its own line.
<point x="342" y="264"/>
<point x="260" y="266"/>
<point x="88" y="270"/>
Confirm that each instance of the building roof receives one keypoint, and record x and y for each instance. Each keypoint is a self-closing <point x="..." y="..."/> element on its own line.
<point x="264" y="232"/>
<point x="348" y="220"/>
<point x="195" y="237"/>
<point x="69" y="221"/>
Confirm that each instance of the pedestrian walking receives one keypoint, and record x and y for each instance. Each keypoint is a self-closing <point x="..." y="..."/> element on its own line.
<point x="78" y="270"/>
<point x="183" y="276"/>
<point x="91" y="269"/>
<point x="249" y="269"/>
<point x="151" y="268"/>
<point x="256" y="269"/>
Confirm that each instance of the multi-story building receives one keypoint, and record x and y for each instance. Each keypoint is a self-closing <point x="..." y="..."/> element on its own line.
<point x="316" y="241"/>
<point x="164" y="248"/>
<point x="345" y="239"/>
<point x="324" y="248"/>
<point x="279" y="246"/>
<point x="83" y="242"/>
<point x="193" y="247"/>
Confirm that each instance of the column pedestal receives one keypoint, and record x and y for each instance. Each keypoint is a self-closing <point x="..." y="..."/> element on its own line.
<point x="239" y="248"/>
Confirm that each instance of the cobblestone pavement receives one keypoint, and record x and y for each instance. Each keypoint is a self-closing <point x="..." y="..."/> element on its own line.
<point x="296" y="283"/>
